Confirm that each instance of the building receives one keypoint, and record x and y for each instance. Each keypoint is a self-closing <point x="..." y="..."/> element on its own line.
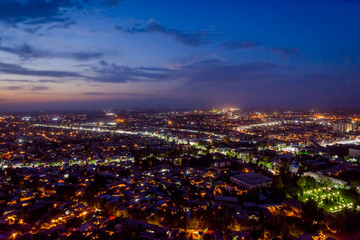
<point x="224" y="163"/>
<point x="344" y="127"/>
<point x="354" y="153"/>
<point x="251" y="180"/>
<point x="319" y="175"/>
<point x="226" y="199"/>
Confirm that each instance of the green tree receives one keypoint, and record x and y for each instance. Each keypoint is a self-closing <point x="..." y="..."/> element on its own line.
<point x="301" y="182"/>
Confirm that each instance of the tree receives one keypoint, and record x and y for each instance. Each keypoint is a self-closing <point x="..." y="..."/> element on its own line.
<point x="278" y="183"/>
<point x="310" y="182"/>
<point x="301" y="182"/>
<point x="312" y="216"/>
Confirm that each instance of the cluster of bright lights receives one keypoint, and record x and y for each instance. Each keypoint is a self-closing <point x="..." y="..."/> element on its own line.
<point x="316" y="190"/>
<point x="329" y="195"/>
<point x="341" y="206"/>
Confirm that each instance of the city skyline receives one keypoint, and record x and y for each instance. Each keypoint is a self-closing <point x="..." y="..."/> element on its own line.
<point x="95" y="54"/>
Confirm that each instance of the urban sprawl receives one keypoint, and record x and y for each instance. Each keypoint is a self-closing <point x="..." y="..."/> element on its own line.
<point x="200" y="174"/>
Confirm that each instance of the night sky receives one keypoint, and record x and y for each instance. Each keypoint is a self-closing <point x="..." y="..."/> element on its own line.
<point x="101" y="54"/>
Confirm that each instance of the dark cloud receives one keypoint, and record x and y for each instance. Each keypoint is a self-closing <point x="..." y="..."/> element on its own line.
<point x="217" y="64"/>
<point x="31" y="81"/>
<point x="28" y="87"/>
<point x="154" y="69"/>
<point x="240" y="44"/>
<point x="110" y="72"/>
<point x="204" y="71"/>
<point x="43" y="12"/>
<point x="33" y="26"/>
<point x="286" y="52"/>
<point x="95" y="93"/>
<point x="39" y="88"/>
<point x="64" y="25"/>
<point x="83" y="55"/>
<point x="31" y="30"/>
<point x="34" y="11"/>
<point x="40" y="21"/>
<point x="13" y="88"/>
<point x="101" y="72"/>
<point x="283" y="51"/>
<point x="112" y="3"/>
<point x="187" y="38"/>
<point x="27" y="52"/>
<point x="19" y="70"/>
<point x="113" y="93"/>
<point x="16" y="81"/>
<point x="209" y="70"/>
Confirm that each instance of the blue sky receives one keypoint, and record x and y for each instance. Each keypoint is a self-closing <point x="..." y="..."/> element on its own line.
<point x="96" y="54"/>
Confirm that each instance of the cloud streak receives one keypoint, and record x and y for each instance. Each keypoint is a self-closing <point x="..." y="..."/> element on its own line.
<point x="19" y="70"/>
<point x="110" y="72"/>
<point x="50" y="81"/>
<point x="114" y="94"/>
<point x="13" y="88"/>
<point x="193" y="38"/>
<point x="16" y="81"/>
<point x="240" y="44"/>
<point x="27" y="52"/>
<point x="283" y="51"/>
<point x="32" y="88"/>
<point x="39" y="88"/>
<point x="200" y="72"/>
<point x="286" y="52"/>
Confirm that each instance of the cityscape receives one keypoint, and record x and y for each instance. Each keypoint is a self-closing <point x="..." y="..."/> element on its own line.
<point x="179" y="120"/>
<point x="200" y="174"/>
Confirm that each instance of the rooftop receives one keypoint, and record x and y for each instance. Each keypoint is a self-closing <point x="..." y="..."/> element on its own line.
<point x="252" y="178"/>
